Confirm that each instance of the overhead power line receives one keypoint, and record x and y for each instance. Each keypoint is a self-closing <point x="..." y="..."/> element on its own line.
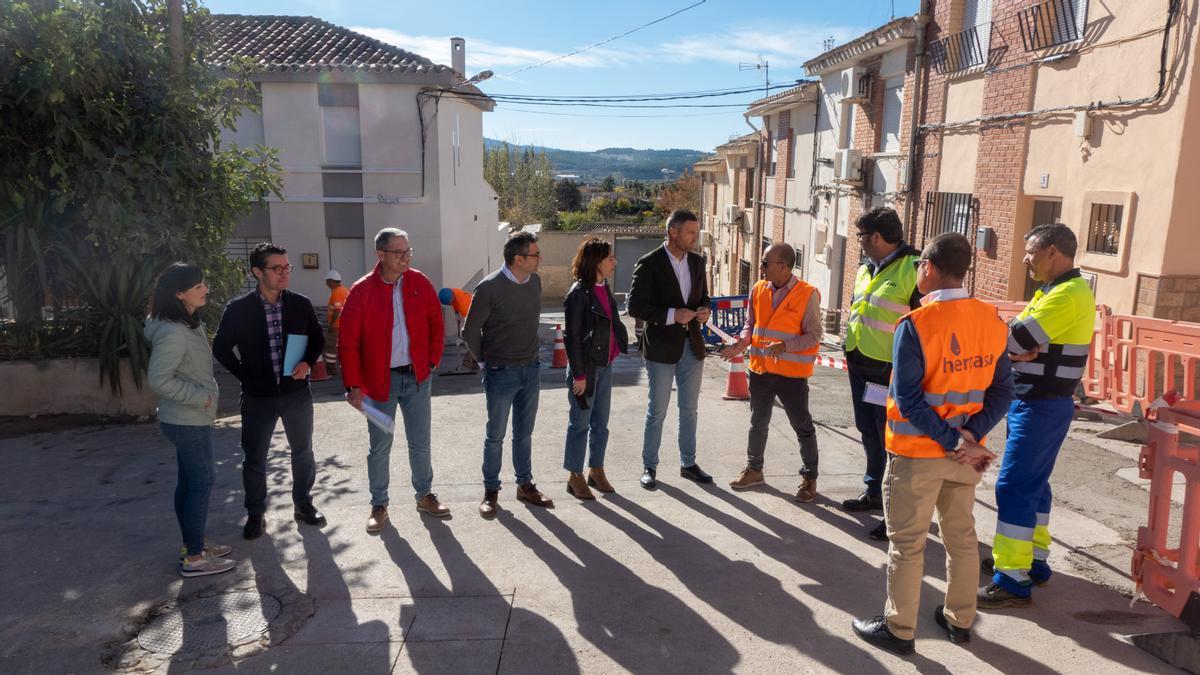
<point x="606" y="41"/>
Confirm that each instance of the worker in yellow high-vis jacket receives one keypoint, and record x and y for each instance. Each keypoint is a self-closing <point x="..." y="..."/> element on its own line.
<point x="1049" y="343"/>
<point x="884" y="291"/>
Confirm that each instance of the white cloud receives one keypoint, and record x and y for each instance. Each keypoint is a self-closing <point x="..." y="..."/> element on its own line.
<point x="782" y="46"/>
<point x="482" y="54"/>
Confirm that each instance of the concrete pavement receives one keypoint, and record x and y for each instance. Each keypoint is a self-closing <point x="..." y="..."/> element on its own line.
<point x="685" y="579"/>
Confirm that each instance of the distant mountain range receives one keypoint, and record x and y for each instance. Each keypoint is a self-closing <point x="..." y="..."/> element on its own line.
<point x="620" y="163"/>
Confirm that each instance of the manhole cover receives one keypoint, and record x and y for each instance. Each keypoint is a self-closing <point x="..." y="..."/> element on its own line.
<point x="201" y="624"/>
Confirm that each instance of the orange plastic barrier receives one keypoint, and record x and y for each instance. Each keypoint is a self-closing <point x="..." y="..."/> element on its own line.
<point x="1145" y="358"/>
<point x="1168" y="574"/>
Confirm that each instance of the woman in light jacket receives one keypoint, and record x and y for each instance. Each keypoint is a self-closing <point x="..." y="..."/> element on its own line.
<point x="181" y="373"/>
<point x="593" y="337"/>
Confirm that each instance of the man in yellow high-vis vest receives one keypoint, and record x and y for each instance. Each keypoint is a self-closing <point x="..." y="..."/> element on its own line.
<point x="884" y="291"/>
<point x="783" y="332"/>
<point x="951" y="385"/>
<point x="1050" y="341"/>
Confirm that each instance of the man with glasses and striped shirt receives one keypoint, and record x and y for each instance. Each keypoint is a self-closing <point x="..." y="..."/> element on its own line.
<point x="258" y="326"/>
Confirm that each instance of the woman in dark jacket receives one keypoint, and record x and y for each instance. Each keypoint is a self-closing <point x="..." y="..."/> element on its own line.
<point x="594" y="336"/>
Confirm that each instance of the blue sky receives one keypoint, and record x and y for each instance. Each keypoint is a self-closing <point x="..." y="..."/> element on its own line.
<point x="699" y="49"/>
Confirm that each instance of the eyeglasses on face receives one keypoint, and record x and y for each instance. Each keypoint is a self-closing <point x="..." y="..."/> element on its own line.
<point x="920" y="261"/>
<point x="280" y="269"/>
<point x="401" y="253"/>
<point x="531" y="255"/>
<point x="860" y="235"/>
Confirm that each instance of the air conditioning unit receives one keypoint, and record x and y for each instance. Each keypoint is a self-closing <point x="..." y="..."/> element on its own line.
<point x="732" y="213"/>
<point x="850" y="80"/>
<point x="847" y="166"/>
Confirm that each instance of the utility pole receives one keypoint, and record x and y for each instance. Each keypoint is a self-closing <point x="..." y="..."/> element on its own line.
<point x="175" y="35"/>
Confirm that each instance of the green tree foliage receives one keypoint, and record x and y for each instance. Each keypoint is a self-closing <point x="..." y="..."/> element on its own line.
<point x="524" y="184"/>
<point x="567" y="196"/>
<point x="601" y="207"/>
<point x="608" y="184"/>
<point x="112" y="161"/>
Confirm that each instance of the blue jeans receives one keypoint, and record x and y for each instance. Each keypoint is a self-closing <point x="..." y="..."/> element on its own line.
<point x="870" y="420"/>
<point x="594" y="419"/>
<point x="687" y="375"/>
<point x="197" y="472"/>
<point x="414" y="401"/>
<point x="510" y="389"/>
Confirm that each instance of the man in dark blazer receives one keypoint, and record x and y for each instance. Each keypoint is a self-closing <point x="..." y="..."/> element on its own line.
<point x="259" y="325"/>
<point x="670" y="294"/>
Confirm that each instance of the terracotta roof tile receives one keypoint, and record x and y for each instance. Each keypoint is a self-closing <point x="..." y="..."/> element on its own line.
<point x="304" y="43"/>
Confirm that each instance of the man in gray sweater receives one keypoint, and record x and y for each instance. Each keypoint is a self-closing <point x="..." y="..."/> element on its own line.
<point x="501" y="331"/>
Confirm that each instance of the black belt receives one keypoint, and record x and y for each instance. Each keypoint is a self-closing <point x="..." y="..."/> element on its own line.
<point x="403" y="369"/>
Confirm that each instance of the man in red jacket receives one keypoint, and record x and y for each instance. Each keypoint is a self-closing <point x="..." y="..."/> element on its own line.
<point x="390" y="343"/>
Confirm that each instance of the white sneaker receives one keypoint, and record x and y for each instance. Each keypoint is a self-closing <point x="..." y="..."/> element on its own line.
<point x="207" y="564"/>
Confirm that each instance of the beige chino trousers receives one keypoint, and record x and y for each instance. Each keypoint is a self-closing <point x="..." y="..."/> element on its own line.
<point x="912" y="489"/>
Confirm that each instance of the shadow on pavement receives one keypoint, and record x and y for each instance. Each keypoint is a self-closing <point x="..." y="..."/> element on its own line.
<point x="540" y="647"/>
<point x="641" y="627"/>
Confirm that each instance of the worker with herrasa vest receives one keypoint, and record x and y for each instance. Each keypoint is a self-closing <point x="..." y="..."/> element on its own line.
<point x="783" y="332"/>
<point x="885" y="290"/>
<point x="1050" y="341"/>
<point x="951" y="384"/>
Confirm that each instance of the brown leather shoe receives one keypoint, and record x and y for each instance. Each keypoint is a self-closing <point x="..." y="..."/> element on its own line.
<point x="577" y="486"/>
<point x="487" y="507"/>
<point x="529" y="494"/>
<point x="430" y="504"/>
<point x="598" y="480"/>
<point x="808" y="489"/>
<point x="378" y="519"/>
<point x="747" y="479"/>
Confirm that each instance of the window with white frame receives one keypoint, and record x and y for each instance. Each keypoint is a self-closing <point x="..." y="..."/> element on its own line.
<point x="977" y="15"/>
<point x="341" y="136"/>
<point x="893" y="109"/>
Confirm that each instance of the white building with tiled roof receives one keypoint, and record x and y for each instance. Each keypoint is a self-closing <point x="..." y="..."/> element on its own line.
<point x="369" y="136"/>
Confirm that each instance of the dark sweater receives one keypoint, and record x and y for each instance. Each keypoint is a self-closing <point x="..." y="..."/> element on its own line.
<point x="244" y="325"/>
<point x="502" y="325"/>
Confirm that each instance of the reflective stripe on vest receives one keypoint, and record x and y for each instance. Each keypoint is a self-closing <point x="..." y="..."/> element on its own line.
<point x="775" y="324"/>
<point x="878" y="303"/>
<point x="1060" y="320"/>
<point x="961" y="341"/>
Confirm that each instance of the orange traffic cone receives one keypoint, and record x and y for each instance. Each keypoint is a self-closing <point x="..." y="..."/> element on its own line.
<point x="737" y="387"/>
<point x="319" y="372"/>
<point x="560" y="349"/>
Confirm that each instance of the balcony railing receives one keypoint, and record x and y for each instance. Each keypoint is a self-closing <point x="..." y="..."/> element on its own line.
<point x="958" y="51"/>
<point x="1049" y="23"/>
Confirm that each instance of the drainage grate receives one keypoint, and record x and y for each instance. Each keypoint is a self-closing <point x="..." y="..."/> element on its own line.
<point x="207" y="623"/>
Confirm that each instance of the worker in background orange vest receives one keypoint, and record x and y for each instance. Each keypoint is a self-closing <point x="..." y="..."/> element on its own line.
<point x="783" y="331"/>
<point x="337" y="300"/>
<point x="460" y="300"/>
<point x="950" y="385"/>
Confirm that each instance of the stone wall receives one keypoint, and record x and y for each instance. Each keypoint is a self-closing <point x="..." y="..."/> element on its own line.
<point x="69" y="387"/>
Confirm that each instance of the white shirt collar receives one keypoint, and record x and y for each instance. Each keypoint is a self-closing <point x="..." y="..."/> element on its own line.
<point x="678" y="261"/>
<point x="944" y="294"/>
<point x="508" y="273"/>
